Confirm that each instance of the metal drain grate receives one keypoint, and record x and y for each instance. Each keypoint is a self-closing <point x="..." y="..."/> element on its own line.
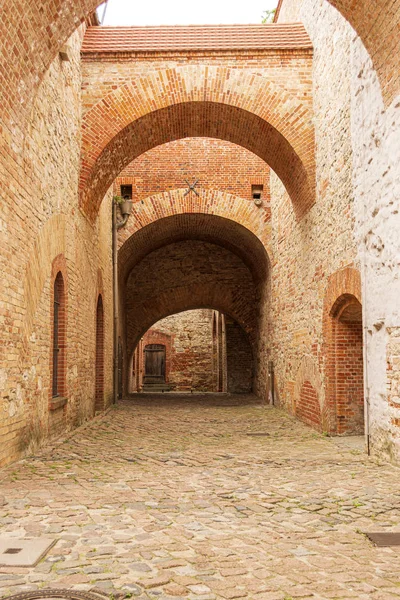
<point x="384" y="539"/>
<point x="24" y="552"/>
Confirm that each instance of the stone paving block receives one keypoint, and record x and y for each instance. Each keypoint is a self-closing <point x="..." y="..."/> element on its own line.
<point x="192" y="538"/>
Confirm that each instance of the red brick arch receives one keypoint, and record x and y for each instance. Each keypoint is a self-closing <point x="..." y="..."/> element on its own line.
<point x="235" y="270"/>
<point x="158" y="229"/>
<point x="197" y="101"/>
<point x="32" y="33"/>
<point x="208" y="202"/>
<point x="343" y="290"/>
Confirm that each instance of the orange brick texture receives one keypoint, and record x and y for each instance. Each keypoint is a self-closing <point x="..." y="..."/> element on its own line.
<point x="99" y="367"/>
<point x="247" y="107"/>
<point x="216" y="165"/>
<point x="307" y="408"/>
<point x="342" y="330"/>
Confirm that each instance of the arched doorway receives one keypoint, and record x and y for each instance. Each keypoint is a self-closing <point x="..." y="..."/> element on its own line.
<point x="99" y="364"/>
<point x="347" y="365"/>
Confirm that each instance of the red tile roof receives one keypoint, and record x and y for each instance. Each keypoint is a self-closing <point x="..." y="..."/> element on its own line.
<point x="196" y="38"/>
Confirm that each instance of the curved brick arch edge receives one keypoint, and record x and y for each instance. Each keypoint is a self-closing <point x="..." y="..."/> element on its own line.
<point x="207" y="300"/>
<point x="377" y="24"/>
<point x="159" y="231"/>
<point x="156" y="224"/>
<point x="197" y="101"/>
<point x="35" y="31"/>
<point x="209" y="202"/>
<point x="343" y="289"/>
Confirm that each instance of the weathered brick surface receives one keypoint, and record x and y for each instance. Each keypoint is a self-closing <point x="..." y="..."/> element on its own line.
<point x="239" y="358"/>
<point x="344" y="188"/>
<point x="216" y="165"/>
<point x="249" y="108"/>
<point x="376" y="22"/>
<point x="189" y="363"/>
<point x="308" y="408"/>
<point x="306" y="254"/>
<point x="42" y="232"/>
<point x="186" y="275"/>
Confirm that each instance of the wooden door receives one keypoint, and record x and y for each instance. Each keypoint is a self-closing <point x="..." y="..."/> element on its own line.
<point x="154" y="363"/>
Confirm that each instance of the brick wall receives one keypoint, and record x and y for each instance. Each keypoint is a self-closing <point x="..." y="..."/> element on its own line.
<point x="213" y="96"/>
<point x="353" y="221"/>
<point x="349" y="371"/>
<point x="306" y="254"/>
<point x="189" y="355"/>
<point x="217" y="165"/>
<point x="239" y="357"/>
<point x="40" y="221"/>
<point x="307" y="406"/>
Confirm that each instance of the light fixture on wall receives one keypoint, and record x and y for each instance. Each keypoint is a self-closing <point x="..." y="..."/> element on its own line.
<point x="64" y="53"/>
<point x="256" y="191"/>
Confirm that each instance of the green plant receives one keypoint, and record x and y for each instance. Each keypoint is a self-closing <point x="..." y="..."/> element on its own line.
<point x="118" y="199"/>
<point x="268" y="16"/>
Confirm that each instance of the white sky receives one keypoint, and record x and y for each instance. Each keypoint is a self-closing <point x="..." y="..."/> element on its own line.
<point x="184" y="12"/>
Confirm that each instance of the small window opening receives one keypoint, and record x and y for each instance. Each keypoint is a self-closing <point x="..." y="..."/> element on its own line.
<point x="126" y="192"/>
<point x="256" y="191"/>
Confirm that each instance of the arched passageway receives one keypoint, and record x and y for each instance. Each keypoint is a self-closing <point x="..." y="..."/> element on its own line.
<point x="346" y="359"/>
<point x="289" y="150"/>
<point x="193" y="351"/>
<point x="193" y="261"/>
<point x="343" y="343"/>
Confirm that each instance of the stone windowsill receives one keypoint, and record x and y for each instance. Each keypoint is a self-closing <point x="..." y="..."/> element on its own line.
<point x="57" y="402"/>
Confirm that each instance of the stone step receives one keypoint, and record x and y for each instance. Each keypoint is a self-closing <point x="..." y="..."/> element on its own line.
<point x="156" y="387"/>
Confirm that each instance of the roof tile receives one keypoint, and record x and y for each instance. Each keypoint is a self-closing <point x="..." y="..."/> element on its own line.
<point x="195" y="38"/>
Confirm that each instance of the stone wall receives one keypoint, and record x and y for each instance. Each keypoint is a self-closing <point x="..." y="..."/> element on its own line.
<point x="42" y="232"/>
<point x="239" y="359"/>
<point x="189" y="364"/>
<point x="354" y="222"/>
<point x="375" y="128"/>
<point x="306" y="252"/>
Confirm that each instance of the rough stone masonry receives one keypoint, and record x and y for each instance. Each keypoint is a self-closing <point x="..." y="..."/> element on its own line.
<point x="306" y="107"/>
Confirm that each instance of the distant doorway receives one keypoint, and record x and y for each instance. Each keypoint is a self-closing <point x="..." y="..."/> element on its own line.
<point x="154" y="363"/>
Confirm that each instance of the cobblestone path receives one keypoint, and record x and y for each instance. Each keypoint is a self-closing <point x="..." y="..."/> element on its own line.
<point x="202" y="499"/>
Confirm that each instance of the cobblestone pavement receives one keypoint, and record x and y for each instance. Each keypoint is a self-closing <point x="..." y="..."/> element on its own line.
<point x="202" y="499"/>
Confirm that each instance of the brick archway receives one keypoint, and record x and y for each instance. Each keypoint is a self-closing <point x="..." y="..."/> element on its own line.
<point x="33" y="32"/>
<point x="378" y="25"/>
<point x="235" y="268"/>
<point x="343" y="292"/>
<point x="209" y="202"/>
<point x="195" y="101"/>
